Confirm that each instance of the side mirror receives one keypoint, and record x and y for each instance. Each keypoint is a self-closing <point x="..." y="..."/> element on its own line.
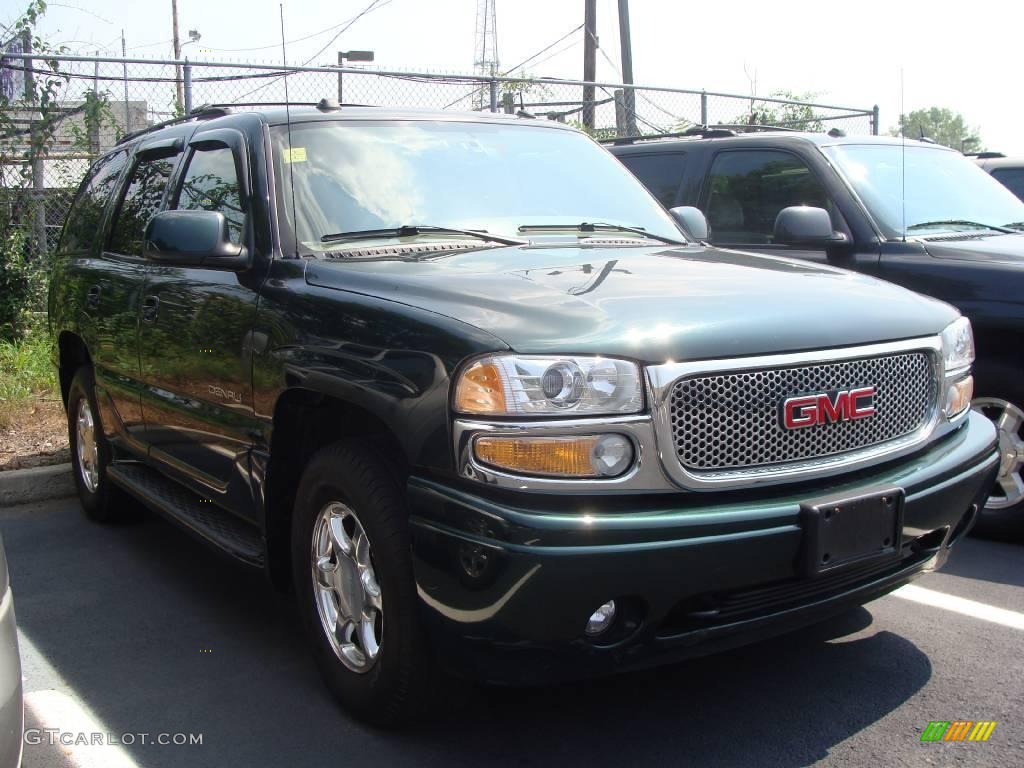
<point x="192" y="239"/>
<point x="806" y="225"/>
<point x="692" y="220"/>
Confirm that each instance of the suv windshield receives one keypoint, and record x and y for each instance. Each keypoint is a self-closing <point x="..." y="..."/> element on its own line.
<point x="356" y="176"/>
<point x="943" y="192"/>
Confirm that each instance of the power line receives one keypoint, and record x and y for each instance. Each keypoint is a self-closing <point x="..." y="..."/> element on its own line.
<point x="636" y="114"/>
<point x="525" y="61"/>
<point x="557" y="53"/>
<point x="375" y="5"/>
<point x="544" y="50"/>
<point x="326" y="31"/>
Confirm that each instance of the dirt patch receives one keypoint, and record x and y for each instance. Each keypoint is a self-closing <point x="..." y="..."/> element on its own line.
<point x="35" y="434"/>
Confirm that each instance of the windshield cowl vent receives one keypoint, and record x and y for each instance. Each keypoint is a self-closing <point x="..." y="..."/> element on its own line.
<point x="957" y="237"/>
<point x="403" y="250"/>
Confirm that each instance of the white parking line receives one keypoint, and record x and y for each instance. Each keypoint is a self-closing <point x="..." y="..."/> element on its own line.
<point x="76" y="736"/>
<point x="973" y="608"/>
<point x="55" y="719"/>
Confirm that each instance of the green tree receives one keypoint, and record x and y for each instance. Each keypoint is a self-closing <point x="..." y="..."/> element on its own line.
<point x="28" y="125"/>
<point x="797" y="114"/>
<point x="941" y="125"/>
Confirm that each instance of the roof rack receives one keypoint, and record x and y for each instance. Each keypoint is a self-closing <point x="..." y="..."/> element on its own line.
<point x="717" y="131"/>
<point x="209" y="111"/>
<point x="984" y="155"/>
<point x="323" y="104"/>
<point x="205" y="112"/>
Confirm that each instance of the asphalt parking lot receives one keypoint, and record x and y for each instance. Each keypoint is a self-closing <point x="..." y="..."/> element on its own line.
<point x="137" y="629"/>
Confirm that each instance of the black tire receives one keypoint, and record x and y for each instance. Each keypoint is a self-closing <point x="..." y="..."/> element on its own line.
<point x="1003" y="523"/>
<point x="391" y="690"/>
<point x="102" y="503"/>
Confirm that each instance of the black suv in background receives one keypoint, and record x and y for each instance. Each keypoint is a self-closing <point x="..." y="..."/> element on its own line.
<point x="461" y="384"/>
<point x="1008" y="171"/>
<point x="912" y="212"/>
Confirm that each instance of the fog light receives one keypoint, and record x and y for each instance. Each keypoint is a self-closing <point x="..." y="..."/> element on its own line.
<point x="601" y="619"/>
<point x="589" y="456"/>
<point x="958" y="396"/>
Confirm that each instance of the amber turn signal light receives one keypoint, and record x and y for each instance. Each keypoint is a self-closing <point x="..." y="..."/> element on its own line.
<point x="480" y="390"/>
<point x="588" y="456"/>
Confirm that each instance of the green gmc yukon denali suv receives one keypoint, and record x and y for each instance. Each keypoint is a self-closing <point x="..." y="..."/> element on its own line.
<point x="464" y="387"/>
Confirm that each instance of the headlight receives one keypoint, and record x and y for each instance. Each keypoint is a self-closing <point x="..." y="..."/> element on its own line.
<point x="519" y="385"/>
<point x="958" y="346"/>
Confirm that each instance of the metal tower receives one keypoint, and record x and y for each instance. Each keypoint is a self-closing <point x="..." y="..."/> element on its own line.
<point x="486" y="48"/>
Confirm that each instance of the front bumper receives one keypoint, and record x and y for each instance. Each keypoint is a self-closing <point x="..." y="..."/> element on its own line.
<point x="507" y="581"/>
<point x="12" y="714"/>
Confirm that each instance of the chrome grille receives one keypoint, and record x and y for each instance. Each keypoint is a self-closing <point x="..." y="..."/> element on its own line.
<point x="730" y="421"/>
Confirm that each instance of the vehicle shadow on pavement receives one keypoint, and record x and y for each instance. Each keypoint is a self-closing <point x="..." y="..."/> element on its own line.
<point x="154" y="633"/>
<point x="986" y="560"/>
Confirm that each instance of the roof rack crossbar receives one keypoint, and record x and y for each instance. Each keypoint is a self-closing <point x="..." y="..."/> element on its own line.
<point x="714" y="131"/>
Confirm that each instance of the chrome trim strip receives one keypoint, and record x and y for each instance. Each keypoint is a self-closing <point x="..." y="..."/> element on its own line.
<point x="645" y="475"/>
<point x="662" y="378"/>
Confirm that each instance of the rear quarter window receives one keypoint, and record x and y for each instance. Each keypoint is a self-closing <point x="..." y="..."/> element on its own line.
<point x="662" y="174"/>
<point x="82" y="227"/>
<point x="1012" y="179"/>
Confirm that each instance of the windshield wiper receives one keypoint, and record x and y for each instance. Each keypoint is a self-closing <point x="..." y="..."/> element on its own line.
<point x="1017" y="225"/>
<point x="599" y="225"/>
<point x="410" y="230"/>
<point x="958" y="222"/>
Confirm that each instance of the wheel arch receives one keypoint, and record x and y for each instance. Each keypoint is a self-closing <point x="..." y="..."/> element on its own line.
<point x="304" y="421"/>
<point x="72" y="353"/>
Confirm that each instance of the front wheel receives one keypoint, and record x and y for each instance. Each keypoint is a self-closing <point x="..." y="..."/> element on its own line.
<point x="1003" y="515"/>
<point x="352" y="568"/>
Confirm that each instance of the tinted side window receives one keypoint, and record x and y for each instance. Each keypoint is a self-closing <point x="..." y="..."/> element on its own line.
<point x="211" y="184"/>
<point x="140" y="203"/>
<point x="83" y="223"/>
<point x="749" y="188"/>
<point x="1012" y="179"/>
<point x="661" y="174"/>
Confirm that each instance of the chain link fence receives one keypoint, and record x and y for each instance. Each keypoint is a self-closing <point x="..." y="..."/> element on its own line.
<point x="100" y="100"/>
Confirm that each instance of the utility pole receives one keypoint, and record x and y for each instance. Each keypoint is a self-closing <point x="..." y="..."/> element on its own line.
<point x="179" y="89"/>
<point x="626" y="46"/>
<point x="589" y="60"/>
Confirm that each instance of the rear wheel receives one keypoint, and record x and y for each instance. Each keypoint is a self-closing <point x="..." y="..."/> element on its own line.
<point x="352" y="568"/>
<point x="90" y="453"/>
<point x="1003" y="515"/>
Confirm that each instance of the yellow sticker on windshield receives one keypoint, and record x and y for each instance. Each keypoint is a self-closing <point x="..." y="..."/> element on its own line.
<point x="295" y="155"/>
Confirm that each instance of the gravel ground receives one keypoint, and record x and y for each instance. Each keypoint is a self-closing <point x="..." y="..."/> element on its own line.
<point x="34" y="436"/>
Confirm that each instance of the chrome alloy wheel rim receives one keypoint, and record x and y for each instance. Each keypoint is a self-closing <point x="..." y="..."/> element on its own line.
<point x="345" y="587"/>
<point x="85" y="444"/>
<point x="1009" y="419"/>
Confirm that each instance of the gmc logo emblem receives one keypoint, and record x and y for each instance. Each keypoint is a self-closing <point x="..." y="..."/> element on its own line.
<point x="828" y="407"/>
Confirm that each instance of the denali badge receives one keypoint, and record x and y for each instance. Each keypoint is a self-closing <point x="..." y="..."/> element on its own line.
<point x="828" y="407"/>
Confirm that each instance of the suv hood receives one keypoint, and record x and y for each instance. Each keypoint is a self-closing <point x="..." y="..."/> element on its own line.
<point x="647" y="303"/>
<point x="1004" y="249"/>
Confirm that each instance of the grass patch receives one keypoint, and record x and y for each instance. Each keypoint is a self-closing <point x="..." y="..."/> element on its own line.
<point x="26" y="373"/>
